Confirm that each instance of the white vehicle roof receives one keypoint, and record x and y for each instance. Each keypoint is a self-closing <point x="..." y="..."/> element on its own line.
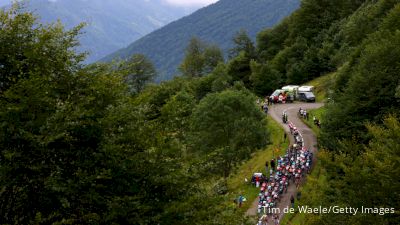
<point x="290" y="87"/>
<point x="277" y="92"/>
<point x="306" y="88"/>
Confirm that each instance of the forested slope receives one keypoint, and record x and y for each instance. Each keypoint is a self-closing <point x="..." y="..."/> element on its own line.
<point x="110" y="25"/>
<point x="99" y="144"/>
<point x="216" y="24"/>
<point x="87" y="145"/>
<point x="359" y="41"/>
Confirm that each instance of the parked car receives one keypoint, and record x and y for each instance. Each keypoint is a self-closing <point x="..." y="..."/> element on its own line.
<point x="275" y="96"/>
<point x="306" y="96"/>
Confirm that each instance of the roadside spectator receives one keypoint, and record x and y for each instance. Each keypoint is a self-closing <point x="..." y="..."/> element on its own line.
<point x="276" y="219"/>
<point x="240" y="200"/>
<point x="266" y="168"/>
<point x="265" y="107"/>
<point x="257" y="181"/>
<point x="272" y="164"/>
<point x="298" y="195"/>
<point x="317" y="123"/>
<point x="292" y="201"/>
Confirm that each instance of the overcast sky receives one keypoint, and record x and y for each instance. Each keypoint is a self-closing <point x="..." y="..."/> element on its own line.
<point x="172" y="2"/>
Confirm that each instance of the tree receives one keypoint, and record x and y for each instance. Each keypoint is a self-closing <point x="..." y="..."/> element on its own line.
<point x="243" y="43"/>
<point x="213" y="55"/>
<point x="176" y="114"/>
<point x="239" y="69"/>
<point x="227" y="127"/>
<point x="33" y="48"/>
<point x="193" y="63"/>
<point x="264" y="79"/>
<point x="370" y="91"/>
<point x="271" y="41"/>
<point x="74" y="150"/>
<point x="200" y="58"/>
<point x="137" y="71"/>
<point x="360" y="180"/>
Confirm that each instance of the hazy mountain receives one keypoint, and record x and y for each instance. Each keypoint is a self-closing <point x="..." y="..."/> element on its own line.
<point x="111" y="24"/>
<point x="216" y="23"/>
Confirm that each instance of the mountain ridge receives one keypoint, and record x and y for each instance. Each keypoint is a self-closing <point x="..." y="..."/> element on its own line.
<point x="111" y="25"/>
<point x="216" y="24"/>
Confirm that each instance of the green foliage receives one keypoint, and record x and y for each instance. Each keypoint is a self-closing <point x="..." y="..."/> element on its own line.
<point x="75" y="144"/>
<point x="239" y="69"/>
<point x="34" y="49"/>
<point x="227" y="126"/>
<point x="264" y="79"/>
<point x="193" y="63"/>
<point x="370" y="92"/>
<point x="200" y="58"/>
<point x="303" y="46"/>
<point x="79" y="148"/>
<point x="52" y="154"/>
<point x="365" y="180"/>
<point x="244" y="44"/>
<point x="217" y="23"/>
<point x="137" y="72"/>
<point x="271" y="41"/>
<point x="212" y="57"/>
<point x="176" y="114"/>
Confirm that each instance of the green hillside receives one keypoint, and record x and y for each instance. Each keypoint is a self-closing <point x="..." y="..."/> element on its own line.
<point x="357" y="44"/>
<point x="102" y="144"/>
<point x="217" y="24"/>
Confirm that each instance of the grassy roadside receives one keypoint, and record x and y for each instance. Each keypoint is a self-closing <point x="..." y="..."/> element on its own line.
<point x="318" y="113"/>
<point x="236" y="182"/>
<point x="322" y="86"/>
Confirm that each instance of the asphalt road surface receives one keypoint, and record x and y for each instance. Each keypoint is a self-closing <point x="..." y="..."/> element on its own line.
<point x="310" y="142"/>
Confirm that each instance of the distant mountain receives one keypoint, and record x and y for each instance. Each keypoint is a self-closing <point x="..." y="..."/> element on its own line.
<point x="216" y="23"/>
<point x="111" y="24"/>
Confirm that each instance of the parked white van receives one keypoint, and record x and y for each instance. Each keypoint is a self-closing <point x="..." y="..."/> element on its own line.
<point x="306" y="89"/>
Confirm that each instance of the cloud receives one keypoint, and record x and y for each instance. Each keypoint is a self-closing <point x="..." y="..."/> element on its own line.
<point x="190" y="2"/>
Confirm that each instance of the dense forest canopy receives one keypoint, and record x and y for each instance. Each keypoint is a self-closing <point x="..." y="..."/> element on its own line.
<point x="102" y="144"/>
<point x="96" y="145"/>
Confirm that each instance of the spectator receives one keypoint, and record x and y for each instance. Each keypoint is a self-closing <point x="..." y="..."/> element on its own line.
<point x="280" y="98"/>
<point x="273" y="164"/>
<point x="240" y="200"/>
<point x="292" y="201"/>
<point x="257" y="181"/>
<point x="265" y="107"/>
<point x="298" y="195"/>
